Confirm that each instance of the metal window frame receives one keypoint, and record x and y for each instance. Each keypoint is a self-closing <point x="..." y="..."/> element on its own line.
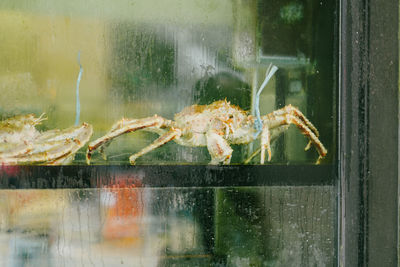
<point x="369" y="124"/>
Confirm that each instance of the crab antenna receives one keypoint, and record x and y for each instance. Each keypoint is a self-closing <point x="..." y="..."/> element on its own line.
<point x="42" y="117"/>
<point x="78" y="104"/>
<point x="258" y="123"/>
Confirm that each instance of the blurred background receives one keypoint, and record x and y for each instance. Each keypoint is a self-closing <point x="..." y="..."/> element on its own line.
<point x="126" y="226"/>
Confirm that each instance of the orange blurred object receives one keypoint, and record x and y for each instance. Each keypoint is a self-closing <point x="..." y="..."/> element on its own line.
<point x="123" y="216"/>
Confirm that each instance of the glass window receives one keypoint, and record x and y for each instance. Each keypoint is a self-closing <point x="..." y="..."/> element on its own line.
<point x="278" y="226"/>
<point x="113" y="76"/>
<point x="132" y="60"/>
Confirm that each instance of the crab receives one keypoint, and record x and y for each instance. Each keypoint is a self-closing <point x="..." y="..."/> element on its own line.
<point x="215" y="126"/>
<point x="22" y="143"/>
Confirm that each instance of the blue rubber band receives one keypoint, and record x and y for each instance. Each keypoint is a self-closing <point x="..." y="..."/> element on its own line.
<point x="78" y="104"/>
<point x="258" y="123"/>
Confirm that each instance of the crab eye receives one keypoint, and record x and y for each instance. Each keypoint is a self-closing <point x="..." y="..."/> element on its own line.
<point x="230" y="116"/>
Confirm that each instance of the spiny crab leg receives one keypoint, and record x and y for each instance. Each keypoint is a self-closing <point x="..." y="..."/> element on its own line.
<point x="274" y="133"/>
<point x="87" y="131"/>
<point x="265" y="143"/>
<point x="77" y="136"/>
<point x="125" y="126"/>
<point x="51" y="151"/>
<point x="289" y="109"/>
<point x="9" y="150"/>
<point x="163" y="139"/>
<point x="61" y="150"/>
<point x="288" y="119"/>
<point x="70" y="133"/>
<point x="63" y="160"/>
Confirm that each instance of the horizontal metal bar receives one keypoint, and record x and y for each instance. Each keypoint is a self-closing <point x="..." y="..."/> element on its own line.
<point x="53" y="177"/>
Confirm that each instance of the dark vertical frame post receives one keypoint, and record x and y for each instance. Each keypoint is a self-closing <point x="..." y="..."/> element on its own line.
<point x="368" y="151"/>
<point x="353" y="53"/>
<point x="383" y="134"/>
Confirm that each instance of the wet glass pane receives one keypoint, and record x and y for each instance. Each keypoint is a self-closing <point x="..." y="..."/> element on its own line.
<point x="103" y="62"/>
<point x="123" y="225"/>
<point x="135" y="59"/>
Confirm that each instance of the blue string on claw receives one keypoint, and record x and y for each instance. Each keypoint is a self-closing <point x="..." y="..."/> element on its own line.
<point x="258" y="123"/>
<point x="78" y="104"/>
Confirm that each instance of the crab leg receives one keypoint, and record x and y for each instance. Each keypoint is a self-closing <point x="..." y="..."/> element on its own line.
<point x="54" y="153"/>
<point x="9" y="150"/>
<point x="219" y="148"/>
<point x="82" y="137"/>
<point x="163" y="139"/>
<point x="289" y="109"/>
<point x="76" y="135"/>
<point x="63" y="160"/>
<point x="55" y="150"/>
<point x="274" y="133"/>
<point x="71" y="132"/>
<point x="287" y="119"/>
<point x="125" y="126"/>
<point x="265" y="143"/>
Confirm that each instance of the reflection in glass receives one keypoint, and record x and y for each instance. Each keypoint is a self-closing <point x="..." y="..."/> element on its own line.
<point x="139" y="61"/>
<point x="121" y="224"/>
<point x="142" y="58"/>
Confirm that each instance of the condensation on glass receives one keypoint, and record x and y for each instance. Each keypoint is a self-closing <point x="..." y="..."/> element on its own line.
<point x="265" y="226"/>
<point x="141" y="58"/>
